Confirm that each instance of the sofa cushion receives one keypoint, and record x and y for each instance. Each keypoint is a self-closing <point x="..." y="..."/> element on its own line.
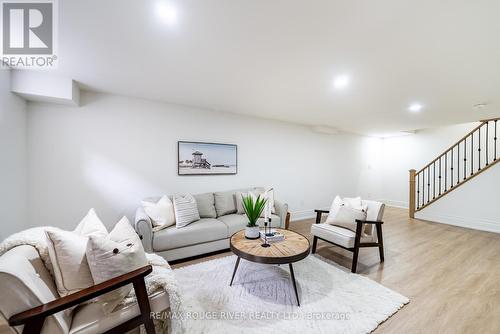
<point x="206" y="205"/>
<point x="234" y="223"/>
<point x="338" y="235"/>
<point x="203" y="230"/>
<point x="225" y="202"/>
<point x="239" y="201"/>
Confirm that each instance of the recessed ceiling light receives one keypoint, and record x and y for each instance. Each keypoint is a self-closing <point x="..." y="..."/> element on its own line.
<point x="415" y="107"/>
<point x="166" y="12"/>
<point x="342" y="81"/>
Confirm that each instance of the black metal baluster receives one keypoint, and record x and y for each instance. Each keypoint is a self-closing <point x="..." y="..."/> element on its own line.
<point x="434" y="180"/>
<point x="479" y="150"/>
<point x="487" y="141"/>
<point x="439" y="176"/>
<point x="495" y="140"/>
<point x="446" y="172"/>
<point x="423" y="188"/>
<point x="458" y="164"/>
<point x="451" y="173"/>
<point x="428" y="184"/>
<point x="465" y="158"/>
<point x="451" y="160"/>
<point x="471" y="153"/>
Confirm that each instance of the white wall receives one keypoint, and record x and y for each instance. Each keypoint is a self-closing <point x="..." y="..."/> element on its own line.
<point x="12" y="159"/>
<point x="113" y="151"/>
<point x="472" y="205"/>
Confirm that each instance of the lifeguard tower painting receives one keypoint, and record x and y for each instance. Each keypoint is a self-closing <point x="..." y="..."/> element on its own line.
<point x="195" y="158"/>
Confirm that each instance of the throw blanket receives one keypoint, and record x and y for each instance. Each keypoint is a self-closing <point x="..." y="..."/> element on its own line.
<point x="162" y="276"/>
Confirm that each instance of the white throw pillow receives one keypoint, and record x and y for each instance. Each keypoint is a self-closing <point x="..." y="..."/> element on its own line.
<point x="91" y="225"/>
<point x="67" y="254"/>
<point x="119" y="253"/>
<point x="161" y="213"/>
<point x="354" y="202"/>
<point x="344" y="212"/>
<point x="346" y="217"/>
<point x="186" y="210"/>
<point x="334" y="208"/>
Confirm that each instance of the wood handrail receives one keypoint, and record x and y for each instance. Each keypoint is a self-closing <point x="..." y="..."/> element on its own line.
<point x="456" y="143"/>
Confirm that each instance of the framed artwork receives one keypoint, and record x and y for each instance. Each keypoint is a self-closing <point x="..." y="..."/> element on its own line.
<point x="198" y="158"/>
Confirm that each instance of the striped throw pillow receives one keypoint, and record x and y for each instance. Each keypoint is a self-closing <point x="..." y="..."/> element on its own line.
<point x="186" y="210"/>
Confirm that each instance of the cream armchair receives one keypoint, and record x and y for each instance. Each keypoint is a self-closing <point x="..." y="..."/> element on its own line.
<point x="364" y="236"/>
<point x="31" y="304"/>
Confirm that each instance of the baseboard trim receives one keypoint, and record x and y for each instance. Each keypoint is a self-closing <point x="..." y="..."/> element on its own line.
<point x="394" y="203"/>
<point x="304" y="214"/>
<point x="472" y="223"/>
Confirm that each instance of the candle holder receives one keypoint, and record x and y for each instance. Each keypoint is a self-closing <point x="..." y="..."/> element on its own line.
<point x="269" y="233"/>
<point x="265" y="244"/>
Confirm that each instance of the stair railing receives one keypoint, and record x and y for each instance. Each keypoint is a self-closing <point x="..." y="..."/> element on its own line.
<point x="471" y="155"/>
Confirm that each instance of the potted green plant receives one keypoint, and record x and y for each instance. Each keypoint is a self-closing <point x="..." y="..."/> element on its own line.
<point x="253" y="210"/>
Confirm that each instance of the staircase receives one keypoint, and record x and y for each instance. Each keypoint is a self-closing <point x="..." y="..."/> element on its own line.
<point x="467" y="158"/>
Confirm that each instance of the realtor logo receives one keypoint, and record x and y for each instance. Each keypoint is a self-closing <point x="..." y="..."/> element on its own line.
<point x="28" y="33"/>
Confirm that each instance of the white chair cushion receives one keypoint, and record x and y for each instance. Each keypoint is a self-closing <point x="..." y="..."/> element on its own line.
<point x="89" y="319"/>
<point x="119" y="253"/>
<point x="338" y="235"/>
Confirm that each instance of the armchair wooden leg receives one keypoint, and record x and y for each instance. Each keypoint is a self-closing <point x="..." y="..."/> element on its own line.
<point x="355" y="259"/>
<point x="380" y="242"/>
<point x="315" y="243"/>
<point x="143" y="301"/>
<point x="357" y="240"/>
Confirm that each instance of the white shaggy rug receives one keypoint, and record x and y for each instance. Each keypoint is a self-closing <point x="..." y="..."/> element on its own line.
<point x="262" y="298"/>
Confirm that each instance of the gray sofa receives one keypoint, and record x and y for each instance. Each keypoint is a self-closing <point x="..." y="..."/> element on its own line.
<point x="219" y="220"/>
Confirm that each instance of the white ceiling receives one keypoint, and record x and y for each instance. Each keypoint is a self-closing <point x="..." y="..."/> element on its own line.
<point x="277" y="58"/>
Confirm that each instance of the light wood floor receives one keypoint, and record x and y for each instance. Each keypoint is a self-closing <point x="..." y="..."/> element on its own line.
<point x="450" y="274"/>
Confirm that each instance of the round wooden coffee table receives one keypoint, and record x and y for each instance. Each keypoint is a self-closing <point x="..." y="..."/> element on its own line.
<point x="294" y="248"/>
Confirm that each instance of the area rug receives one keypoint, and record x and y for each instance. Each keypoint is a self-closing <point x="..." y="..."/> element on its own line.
<point x="262" y="298"/>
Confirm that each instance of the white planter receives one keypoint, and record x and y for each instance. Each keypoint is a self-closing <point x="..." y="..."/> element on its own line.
<point x="252" y="232"/>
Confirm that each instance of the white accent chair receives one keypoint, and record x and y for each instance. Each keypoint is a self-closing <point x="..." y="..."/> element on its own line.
<point x="31" y="304"/>
<point x="364" y="236"/>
